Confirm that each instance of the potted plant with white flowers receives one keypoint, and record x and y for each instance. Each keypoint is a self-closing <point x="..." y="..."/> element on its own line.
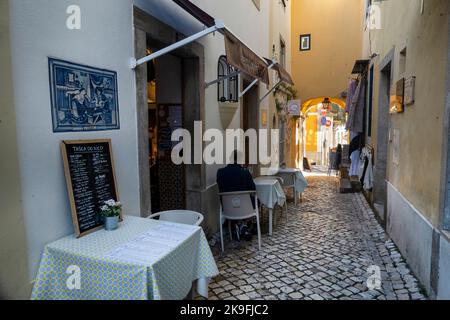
<point x="111" y="213"/>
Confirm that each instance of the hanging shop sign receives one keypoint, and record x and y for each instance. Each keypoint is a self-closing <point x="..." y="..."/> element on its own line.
<point x="294" y="108"/>
<point x="323" y="121"/>
<point x="410" y="88"/>
<point x="90" y="178"/>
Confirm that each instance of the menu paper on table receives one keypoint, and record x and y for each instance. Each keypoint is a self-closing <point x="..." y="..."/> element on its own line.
<point x="154" y="244"/>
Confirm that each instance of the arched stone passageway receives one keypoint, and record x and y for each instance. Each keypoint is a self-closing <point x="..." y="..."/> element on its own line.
<point x="323" y="128"/>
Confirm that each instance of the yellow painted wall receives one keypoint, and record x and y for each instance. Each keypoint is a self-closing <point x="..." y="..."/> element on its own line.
<point x="418" y="176"/>
<point x="14" y="283"/>
<point x="311" y="134"/>
<point x="336" y="30"/>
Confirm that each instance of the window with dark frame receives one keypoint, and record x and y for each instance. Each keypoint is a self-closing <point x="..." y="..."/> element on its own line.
<point x="228" y="85"/>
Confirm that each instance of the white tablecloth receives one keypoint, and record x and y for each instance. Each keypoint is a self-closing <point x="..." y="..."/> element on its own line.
<point x="269" y="191"/>
<point x="300" y="182"/>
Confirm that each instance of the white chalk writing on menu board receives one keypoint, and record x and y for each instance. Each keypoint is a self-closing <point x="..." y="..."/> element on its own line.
<point x="90" y="177"/>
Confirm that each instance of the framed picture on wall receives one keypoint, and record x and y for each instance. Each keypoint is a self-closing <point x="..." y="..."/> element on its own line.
<point x="82" y="98"/>
<point x="305" y="42"/>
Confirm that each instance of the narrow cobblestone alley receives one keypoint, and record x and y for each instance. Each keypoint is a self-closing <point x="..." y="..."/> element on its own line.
<point x="323" y="252"/>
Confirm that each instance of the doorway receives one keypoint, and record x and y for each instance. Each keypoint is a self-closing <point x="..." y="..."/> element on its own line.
<point x="165" y="115"/>
<point x="169" y="96"/>
<point x="383" y="127"/>
<point x="250" y="118"/>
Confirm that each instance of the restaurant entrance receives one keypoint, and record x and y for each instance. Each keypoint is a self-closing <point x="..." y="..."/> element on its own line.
<point x="250" y="118"/>
<point x="165" y="115"/>
<point x="169" y="96"/>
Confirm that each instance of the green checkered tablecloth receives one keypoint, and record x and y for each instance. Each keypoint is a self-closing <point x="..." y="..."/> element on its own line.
<point x="166" y="273"/>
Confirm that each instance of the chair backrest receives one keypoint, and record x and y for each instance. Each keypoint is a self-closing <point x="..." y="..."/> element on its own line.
<point x="238" y="205"/>
<point x="280" y="179"/>
<point x="332" y="161"/>
<point x="180" y="216"/>
<point x="288" y="179"/>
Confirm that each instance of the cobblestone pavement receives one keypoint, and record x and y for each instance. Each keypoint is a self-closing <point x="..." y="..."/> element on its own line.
<point x="323" y="253"/>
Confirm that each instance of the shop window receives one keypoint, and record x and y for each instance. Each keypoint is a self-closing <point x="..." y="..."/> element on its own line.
<point x="227" y="87"/>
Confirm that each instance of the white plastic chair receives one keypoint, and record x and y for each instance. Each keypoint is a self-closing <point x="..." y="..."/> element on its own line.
<point x="289" y="182"/>
<point x="238" y="206"/>
<point x="180" y="216"/>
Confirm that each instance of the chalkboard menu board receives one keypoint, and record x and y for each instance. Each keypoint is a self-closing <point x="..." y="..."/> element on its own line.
<point x="89" y="170"/>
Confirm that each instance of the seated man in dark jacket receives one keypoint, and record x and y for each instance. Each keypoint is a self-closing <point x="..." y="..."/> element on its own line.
<point x="235" y="177"/>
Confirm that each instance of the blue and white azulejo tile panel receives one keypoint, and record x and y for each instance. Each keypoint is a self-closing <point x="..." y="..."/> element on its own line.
<point x="83" y="98"/>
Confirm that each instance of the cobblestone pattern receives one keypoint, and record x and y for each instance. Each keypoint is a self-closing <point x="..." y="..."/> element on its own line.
<point x="323" y="253"/>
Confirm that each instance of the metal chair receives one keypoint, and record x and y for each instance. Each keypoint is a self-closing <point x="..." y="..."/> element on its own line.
<point x="180" y="216"/>
<point x="333" y="165"/>
<point x="238" y="206"/>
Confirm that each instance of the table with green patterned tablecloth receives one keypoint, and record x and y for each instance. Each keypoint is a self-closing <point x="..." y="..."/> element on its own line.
<point x="143" y="259"/>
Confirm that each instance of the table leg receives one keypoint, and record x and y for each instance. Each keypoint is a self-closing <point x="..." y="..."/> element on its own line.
<point x="295" y="195"/>
<point x="270" y="221"/>
<point x="202" y="287"/>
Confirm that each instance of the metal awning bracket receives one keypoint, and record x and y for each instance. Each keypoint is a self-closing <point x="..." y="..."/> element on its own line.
<point x="270" y="91"/>
<point x="217" y="27"/>
<point x="220" y="79"/>
<point x="254" y="82"/>
<point x="248" y="88"/>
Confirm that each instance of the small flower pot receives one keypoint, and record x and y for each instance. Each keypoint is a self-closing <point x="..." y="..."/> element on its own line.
<point x="111" y="223"/>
